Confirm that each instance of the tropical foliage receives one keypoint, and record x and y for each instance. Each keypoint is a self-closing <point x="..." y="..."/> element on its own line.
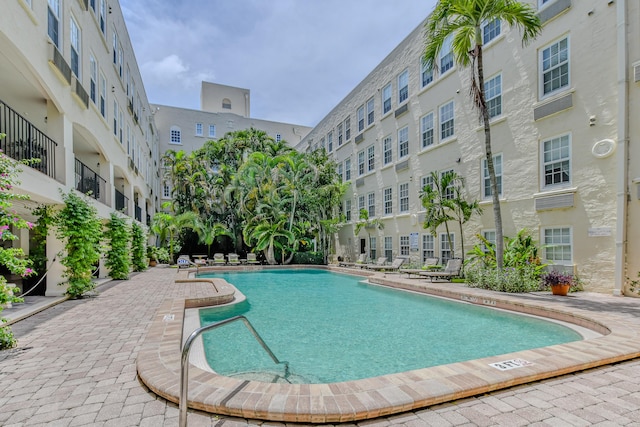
<point x="458" y="25"/>
<point x="138" y="247"/>
<point x="118" y="235"/>
<point x="245" y="192"/>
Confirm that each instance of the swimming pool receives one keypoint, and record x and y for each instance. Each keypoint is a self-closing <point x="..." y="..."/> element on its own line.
<point x="332" y="327"/>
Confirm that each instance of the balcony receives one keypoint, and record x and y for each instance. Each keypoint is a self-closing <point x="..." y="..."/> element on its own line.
<point x="122" y="203"/>
<point x="90" y="183"/>
<point x="24" y="142"/>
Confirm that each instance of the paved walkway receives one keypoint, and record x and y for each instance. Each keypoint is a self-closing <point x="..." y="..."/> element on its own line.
<point x="76" y="366"/>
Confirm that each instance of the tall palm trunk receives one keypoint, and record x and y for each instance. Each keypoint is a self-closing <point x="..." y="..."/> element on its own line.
<point x="497" y="214"/>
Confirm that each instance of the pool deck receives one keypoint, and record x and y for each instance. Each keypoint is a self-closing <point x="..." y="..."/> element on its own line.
<point x="76" y="364"/>
<point x="159" y="364"/>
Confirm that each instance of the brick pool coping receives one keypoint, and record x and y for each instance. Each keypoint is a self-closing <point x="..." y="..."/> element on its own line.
<point x="158" y="362"/>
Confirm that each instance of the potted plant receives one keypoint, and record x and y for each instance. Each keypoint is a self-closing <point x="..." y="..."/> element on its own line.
<point x="559" y="282"/>
<point x="152" y="254"/>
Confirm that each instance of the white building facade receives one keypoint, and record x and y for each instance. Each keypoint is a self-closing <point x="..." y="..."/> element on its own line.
<point x="562" y="136"/>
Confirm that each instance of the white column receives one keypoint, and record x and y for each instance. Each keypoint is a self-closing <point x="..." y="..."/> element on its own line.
<point x="56" y="269"/>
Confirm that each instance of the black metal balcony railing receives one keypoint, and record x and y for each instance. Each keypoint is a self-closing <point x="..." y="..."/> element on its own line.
<point x="24" y="141"/>
<point x="138" y="215"/>
<point x="90" y="183"/>
<point x="122" y="203"/>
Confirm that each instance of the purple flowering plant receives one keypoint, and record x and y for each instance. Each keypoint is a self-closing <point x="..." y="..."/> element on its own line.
<point x="555" y="277"/>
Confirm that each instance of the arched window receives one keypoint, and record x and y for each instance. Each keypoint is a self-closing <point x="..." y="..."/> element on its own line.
<point x="176" y="135"/>
<point x="226" y="104"/>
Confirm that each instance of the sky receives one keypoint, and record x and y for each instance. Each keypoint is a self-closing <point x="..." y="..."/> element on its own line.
<point x="299" y="58"/>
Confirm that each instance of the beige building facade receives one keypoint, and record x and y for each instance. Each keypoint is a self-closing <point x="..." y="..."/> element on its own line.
<point x="72" y="96"/>
<point x="563" y="139"/>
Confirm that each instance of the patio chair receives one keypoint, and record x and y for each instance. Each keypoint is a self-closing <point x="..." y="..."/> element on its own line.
<point x="452" y="269"/>
<point x="360" y="262"/>
<point x="252" y="258"/>
<point x="233" y="259"/>
<point x="430" y="264"/>
<point x="395" y="265"/>
<point x="184" y="261"/>
<point x="218" y="259"/>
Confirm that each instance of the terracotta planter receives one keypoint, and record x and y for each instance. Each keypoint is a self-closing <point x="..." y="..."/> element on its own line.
<point x="561" y="289"/>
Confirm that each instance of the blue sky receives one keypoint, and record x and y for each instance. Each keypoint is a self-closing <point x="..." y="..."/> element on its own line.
<point x="299" y="58"/>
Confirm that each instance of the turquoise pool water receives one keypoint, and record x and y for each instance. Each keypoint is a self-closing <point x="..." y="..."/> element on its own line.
<point x="332" y="327"/>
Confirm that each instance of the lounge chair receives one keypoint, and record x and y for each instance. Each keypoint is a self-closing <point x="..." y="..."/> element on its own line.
<point x="395" y="265"/>
<point x="233" y="259"/>
<point x="430" y="264"/>
<point x="252" y="258"/>
<point x="184" y="261"/>
<point x="452" y="269"/>
<point x="218" y="259"/>
<point x="360" y="262"/>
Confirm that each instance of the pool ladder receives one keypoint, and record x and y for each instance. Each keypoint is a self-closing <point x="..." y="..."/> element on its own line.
<point x="184" y="364"/>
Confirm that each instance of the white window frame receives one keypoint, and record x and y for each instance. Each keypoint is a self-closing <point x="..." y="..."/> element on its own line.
<point x="199" y="129"/>
<point x="75" y="36"/>
<point x="330" y="141"/>
<point x="403" y="142"/>
<point x="371" y="158"/>
<point x="550" y="61"/>
<point x="103" y="96"/>
<point x="405" y="244"/>
<point x="115" y="118"/>
<point x="373" y="247"/>
<point x="554" y="157"/>
<point x="361" y="163"/>
<point x="93" y="79"/>
<point x="360" y="117"/>
<point x="387" y="201"/>
<point x="493" y="96"/>
<point x="166" y="190"/>
<point x="446" y="55"/>
<point x="558" y="245"/>
<point x="361" y="205"/>
<point x="347" y="209"/>
<point x="491" y="30"/>
<point x="175" y="135"/>
<point x="339" y="171"/>
<point x="447" y="120"/>
<point x="212" y="131"/>
<point x="388" y="247"/>
<point x="340" y="134"/>
<point x="371" y="111"/>
<point x="427" y="137"/>
<point x="347" y="170"/>
<point x="403" y="197"/>
<point x="371" y="204"/>
<point x="490" y="236"/>
<point x="403" y="87"/>
<point x="446" y="252"/>
<point x="387" y="92"/>
<point x="449" y="191"/>
<point x="426" y="181"/>
<point x="428" y="247"/>
<point x="103" y="17"/>
<point x="347" y="129"/>
<point x="486" y="182"/>
<point x="55" y="33"/>
<point x="426" y="74"/>
<point x="387" y="150"/>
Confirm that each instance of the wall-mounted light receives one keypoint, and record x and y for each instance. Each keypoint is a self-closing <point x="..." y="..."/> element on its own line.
<point x="113" y="89"/>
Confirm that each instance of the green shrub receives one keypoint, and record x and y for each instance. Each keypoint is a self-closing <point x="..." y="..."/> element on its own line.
<point x="313" y="258"/>
<point x="118" y="256"/>
<point x="138" y="247"/>
<point x="509" y="279"/>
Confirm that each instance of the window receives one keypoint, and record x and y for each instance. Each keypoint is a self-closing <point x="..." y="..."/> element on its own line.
<point x="360" y="203"/>
<point x="387" y="153"/>
<point x="226" y="104"/>
<point x="322" y="143"/>
<point x="427" y="181"/>
<point x="115" y="117"/>
<point x="278" y="137"/>
<point x="360" y="163"/>
<point x="340" y="171"/>
<point x="403" y="197"/>
<point x="403" y="142"/>
<point x="428" y="247"/>
<point x="446" y="121"/>
<point x="486" y="182"/>
<point x="446" y="55"/>
<point x="373" y="243"/>
<point x="103" y="96"/>
<point x="386" y="99"/>
<point x="388" y="247"/>
<point x="388" y="200"/>
<point x="370" y="111"/>
<point x="449" y="192"/>
<point x="166" y="191"/>
<point x="557" y="245"/>
<point x="103" y="16"/>
<point x="490" y="30"/>
<point x="426" y="73"/>
<point x="74" y="35"/>
<point x="490" y="236"/>
<point x="360" y="115"/>
<point x="371" y="204"/>
<point x="93" y="79"/>
<point x="198" y="129"/>
<point x="556" y="161"/>
<point x="347" y="129"/>
<point x="212" y="131"/>
<point x="446" y="248"/>
<point x="404" y="245"/>
<point x="340" y="134"/>
<point x="347" y="170"/>
<point x="371" y="158"/>
<point x="403" y="86"/>
<point x="175" y="135"/>
<point x="330" y="141"/>
<point x="426" y="130"/>
<point x="493" y="96"/>
<point x="120" y="136"/>
<point x="347" y="210"/>
<point x="555" y="67"/>
<point x="53" y="22"/>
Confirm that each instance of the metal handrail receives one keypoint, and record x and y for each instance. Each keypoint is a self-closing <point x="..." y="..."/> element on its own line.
<point x="184" y="363"/>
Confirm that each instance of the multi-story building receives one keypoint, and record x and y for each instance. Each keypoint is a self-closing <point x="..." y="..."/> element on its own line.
<point x="561" y="134"/>
<point x="223" y="109"/>
<point x="72" y="96"/>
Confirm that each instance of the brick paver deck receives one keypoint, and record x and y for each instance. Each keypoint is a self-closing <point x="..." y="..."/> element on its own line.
<point x="76" y="365"/>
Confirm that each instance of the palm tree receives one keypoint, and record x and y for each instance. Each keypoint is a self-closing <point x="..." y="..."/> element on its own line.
<point x="461" y="21"/>
<point x="462" y="210"/>
<point x="367" y="223"/>
<point x="437" y="200"/>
